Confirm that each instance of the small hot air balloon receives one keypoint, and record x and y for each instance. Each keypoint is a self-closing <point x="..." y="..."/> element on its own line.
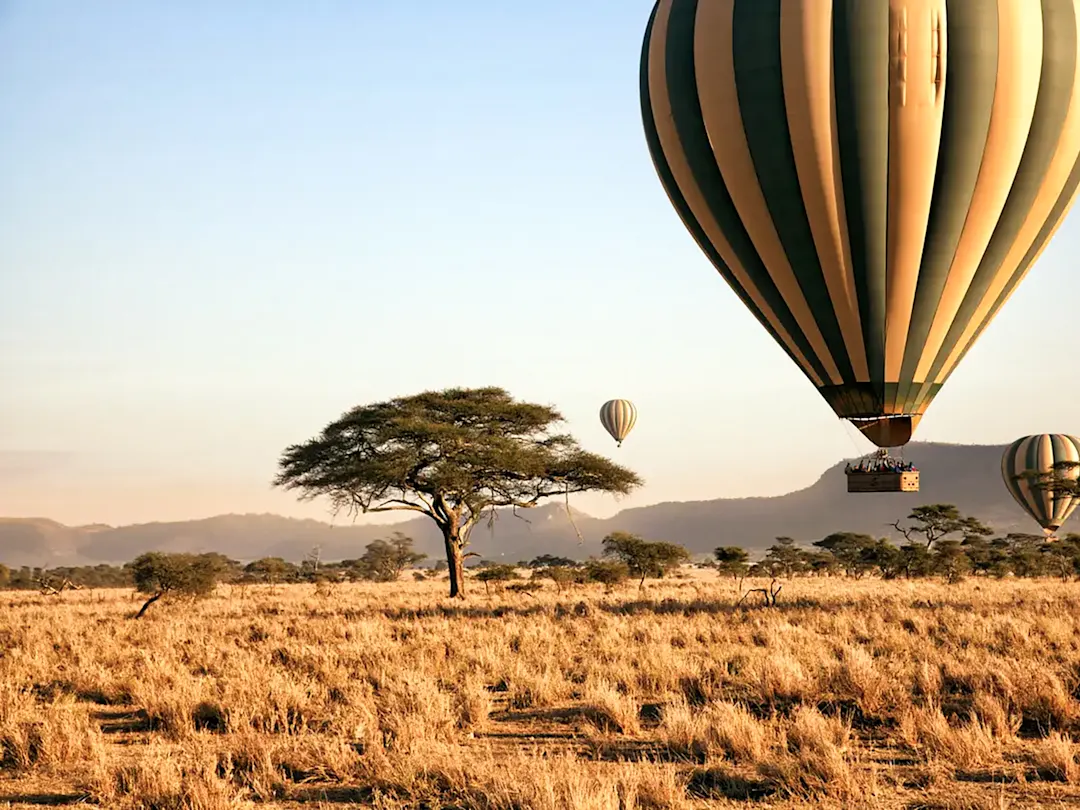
<point x="873" y="178"/>
<point x="1029" y="461"/>
<point x="618" y="417"/>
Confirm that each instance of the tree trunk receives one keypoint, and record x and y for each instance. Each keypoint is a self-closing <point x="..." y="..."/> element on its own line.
<point x="148" y="603"/>
<point x="455" y="561"/>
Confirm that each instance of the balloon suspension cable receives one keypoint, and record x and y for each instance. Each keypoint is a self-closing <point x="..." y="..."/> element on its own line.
<point x="848" y="427"/>
<point x="879" y="451"/>
<point x="570" y="515"/>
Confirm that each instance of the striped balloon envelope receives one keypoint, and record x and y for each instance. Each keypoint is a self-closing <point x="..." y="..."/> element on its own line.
<point x="618" y="417"/>
<point x="873" y="178"/>
<point x="1029" y="461"/>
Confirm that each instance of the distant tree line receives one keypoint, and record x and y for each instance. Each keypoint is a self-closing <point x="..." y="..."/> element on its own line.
<point x="158" y="573"/>
<point x="939" y="541"/>
<point x="860" y="555"/>
<point x="625" y="556"/>
<point x="86" y="576"/>
<point x="382" y="561"/>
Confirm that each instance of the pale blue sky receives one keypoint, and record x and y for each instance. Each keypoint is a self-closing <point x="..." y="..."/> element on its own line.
<point x="222" y="224"/>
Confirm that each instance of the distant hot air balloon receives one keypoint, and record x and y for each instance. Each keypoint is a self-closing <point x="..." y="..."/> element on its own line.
<point x="618" y="417"/>
<point x="1025" y="463"/>
<point x="873" y="178"/>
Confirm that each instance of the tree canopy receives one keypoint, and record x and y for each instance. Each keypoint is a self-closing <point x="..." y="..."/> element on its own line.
<point x="454" y="455"/>
<point x="384" y="560"/>
<point x="785" y="558"/>
<point x="936" y="521"/>
<point x="158" y="574"/>
<point x="644" y="558"/>
<point x="271" y="569"/>
<point x="1060" y="481"/>
<point x="853" y="552"/>
<point x="500" y="572"/>
<point x="732" y="560"/>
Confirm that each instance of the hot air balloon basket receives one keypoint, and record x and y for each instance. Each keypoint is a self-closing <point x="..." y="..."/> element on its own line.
<point x="883" y="481"/>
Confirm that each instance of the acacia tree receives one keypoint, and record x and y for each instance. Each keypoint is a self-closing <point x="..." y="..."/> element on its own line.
<point x="643" y="557"/>
<point x="1062" y="480"/>
<point x="849" y="549"/>
<point x="883" y="556"/>
<point x="384" y="560"/>
<point x="1026" y="554"/>
<point x="937" y="521"/>
<point x="157" y="574"/>
<point x="608" y="573"/>
<point x="550" y="561"/>
<point x="784" y="557"/>
<point x="497" y="573"/>
<point x="455" y="456"/>
<point x="1063" y="558"/>
<point x="951" y="561"/>
<point x="271" y="570"/>
<point x="732" y="560"/>
<point x="914" y="560"/>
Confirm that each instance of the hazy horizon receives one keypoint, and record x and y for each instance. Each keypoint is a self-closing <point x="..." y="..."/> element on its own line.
<point x="222" y="226"/>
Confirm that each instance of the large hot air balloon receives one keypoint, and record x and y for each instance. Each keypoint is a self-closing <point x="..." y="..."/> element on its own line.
<point x="873" y="178"/>
<point x="1030" y="461"/>
<point x="618" y="417"/>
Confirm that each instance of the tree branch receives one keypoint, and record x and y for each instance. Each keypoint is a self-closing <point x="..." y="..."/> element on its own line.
<point x="397" y="504"/>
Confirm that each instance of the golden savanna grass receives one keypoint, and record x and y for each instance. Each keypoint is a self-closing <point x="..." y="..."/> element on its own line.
<point x="846" y="694"/>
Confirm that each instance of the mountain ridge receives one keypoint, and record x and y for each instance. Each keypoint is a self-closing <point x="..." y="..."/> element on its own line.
<point x="963" y="474"/>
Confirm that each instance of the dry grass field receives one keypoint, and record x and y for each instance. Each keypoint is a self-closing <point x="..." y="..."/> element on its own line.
<point x="847" y="694"/>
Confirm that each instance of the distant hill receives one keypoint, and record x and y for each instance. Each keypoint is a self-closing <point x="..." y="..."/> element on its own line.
<point x="966" y="475"/>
